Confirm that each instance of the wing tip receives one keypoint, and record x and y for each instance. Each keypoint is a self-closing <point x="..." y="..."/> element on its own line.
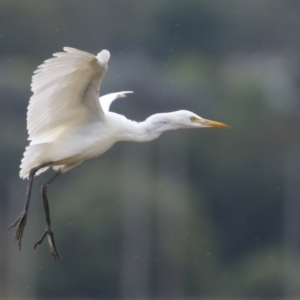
<point x="123" y="94"/>
<point x="103" y="56"/>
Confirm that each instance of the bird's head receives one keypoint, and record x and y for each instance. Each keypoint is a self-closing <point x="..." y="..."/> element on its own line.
<point x="187" y="119"/>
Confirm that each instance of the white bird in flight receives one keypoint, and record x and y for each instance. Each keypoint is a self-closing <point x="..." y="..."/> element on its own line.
<point x="68" y="123"/>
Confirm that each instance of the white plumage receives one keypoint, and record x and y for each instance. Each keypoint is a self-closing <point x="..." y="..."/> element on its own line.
<point x="67" y="122"/>
<point x="65" y="91"/>
<point x="65" y="98"/>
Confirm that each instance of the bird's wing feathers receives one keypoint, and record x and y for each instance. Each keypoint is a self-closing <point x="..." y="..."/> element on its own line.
<point x="65" y="91"/>
<point x="106" y="100"/>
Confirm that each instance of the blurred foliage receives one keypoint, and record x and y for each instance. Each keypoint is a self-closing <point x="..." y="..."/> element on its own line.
<point x="233" y="61"/>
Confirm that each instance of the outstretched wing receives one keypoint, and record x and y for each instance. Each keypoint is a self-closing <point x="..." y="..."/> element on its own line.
<point x="65" y="92"/>
<point x="106" y="100"/>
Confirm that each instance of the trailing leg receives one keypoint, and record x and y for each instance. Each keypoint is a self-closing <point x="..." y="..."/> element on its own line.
<point x="48" y="232"/>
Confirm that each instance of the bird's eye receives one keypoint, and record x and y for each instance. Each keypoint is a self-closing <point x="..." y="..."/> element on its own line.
<point x="193" y="119"/>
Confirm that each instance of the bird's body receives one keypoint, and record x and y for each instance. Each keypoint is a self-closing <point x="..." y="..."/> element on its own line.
<point x="68" y="123"/>
<point x="68" y="147"/>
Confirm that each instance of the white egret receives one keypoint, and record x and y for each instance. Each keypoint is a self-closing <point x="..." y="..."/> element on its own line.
<point x="67" y="123"/>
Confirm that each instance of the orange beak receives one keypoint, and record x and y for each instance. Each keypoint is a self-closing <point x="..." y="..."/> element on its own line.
<point x="210" y="123"/>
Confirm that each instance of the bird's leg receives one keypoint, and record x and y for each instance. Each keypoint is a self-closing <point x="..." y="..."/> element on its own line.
<point x="48" y="232"/>
<point x="21" y="220"/>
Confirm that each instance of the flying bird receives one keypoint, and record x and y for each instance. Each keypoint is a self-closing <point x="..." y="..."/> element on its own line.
<point x="68" y="123"/>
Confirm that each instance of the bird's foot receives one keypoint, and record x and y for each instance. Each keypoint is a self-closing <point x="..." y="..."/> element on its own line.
<point x="21" y="220"/>
<point x="49" y="234"/>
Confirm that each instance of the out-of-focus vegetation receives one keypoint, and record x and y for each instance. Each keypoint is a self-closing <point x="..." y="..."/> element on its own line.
<point x="203" y="213"/>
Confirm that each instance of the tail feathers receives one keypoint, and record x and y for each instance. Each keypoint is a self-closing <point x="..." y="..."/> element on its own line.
<point x="33" y="157"/>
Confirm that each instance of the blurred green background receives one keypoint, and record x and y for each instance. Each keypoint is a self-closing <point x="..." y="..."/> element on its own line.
<point x="195" y="214"/>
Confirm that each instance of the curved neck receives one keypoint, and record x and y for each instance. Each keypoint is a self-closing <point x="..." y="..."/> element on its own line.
<point x="147" y="130"/>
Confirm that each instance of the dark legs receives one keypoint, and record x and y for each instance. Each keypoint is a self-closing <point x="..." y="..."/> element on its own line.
<point x="48" y="232"/>
<point x="21" y="220"/>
